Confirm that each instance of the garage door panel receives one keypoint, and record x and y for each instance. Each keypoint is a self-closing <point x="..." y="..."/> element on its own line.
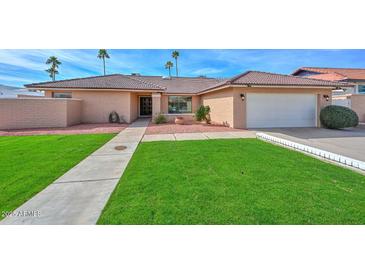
<point x="281" y="110"/>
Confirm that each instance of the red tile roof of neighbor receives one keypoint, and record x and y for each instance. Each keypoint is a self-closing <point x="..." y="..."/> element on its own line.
<point x="327" y="76"/>
<point x="190" y="85"/>
<point x="334" y="74"/>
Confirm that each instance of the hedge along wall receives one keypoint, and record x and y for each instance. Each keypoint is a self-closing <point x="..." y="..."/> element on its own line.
<point x="39" y="113"/>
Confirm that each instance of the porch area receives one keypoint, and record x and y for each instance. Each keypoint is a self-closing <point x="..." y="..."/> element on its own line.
<point x="171" y="106"/>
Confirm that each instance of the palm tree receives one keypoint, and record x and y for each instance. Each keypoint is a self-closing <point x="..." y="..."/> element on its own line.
<point x="102" y="55"/>
<point x="53" y="70"/>
<point x="175" y="55"/>
<point x="168" y="66"/>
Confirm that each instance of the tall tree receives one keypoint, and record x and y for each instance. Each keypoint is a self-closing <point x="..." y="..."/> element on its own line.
<point x="168" y="66"/>
<point x="102" y="55"/>
<point x="175" y="55"/>
<point x="53" y="70"/>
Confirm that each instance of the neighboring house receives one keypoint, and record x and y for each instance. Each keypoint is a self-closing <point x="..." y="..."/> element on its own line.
<point x="353" y="97"/>
<point x="250" y="100"/>
<point x="14" y="92"/>
<point x="355" y="76"/>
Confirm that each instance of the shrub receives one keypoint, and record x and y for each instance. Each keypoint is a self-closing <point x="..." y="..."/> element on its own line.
<point x="160" y="118"/>
<point x="202" y="114"/>
<point x="336" y="117"/>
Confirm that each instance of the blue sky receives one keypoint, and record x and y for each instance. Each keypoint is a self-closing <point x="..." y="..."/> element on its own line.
<point x="19" y="67"/>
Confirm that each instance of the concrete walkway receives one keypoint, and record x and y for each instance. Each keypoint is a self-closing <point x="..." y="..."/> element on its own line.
<point x="199" y="136"/>
<point x="79" y="196"/>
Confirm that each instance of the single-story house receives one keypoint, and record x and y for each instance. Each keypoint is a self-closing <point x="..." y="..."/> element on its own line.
<point x="249" y="100"/>
<point x="352" y="97"/>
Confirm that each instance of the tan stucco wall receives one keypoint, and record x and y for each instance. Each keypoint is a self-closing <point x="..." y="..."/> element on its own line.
<point x="221" y="106"/>
<point x="38" y="113"/>
<point x="156" y="104"/>
<point x="227" y="107"/>
<point x="97" y="105"/>
<point x="358" y="105"/>
<point x="196" y="101"/>
<point x="74" y="112"/>
<point x="322" y="102"/>
<point x="239" y="109"/>
<point x="134" y="107"/>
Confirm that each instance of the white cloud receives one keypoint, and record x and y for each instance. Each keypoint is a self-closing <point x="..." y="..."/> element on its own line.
<point x="207" y="71"/>
<point x="14" y="79"/>
<point x="20" y="58"/>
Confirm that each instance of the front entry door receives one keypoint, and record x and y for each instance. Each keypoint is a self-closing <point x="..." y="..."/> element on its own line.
<point x="145" y="106"/>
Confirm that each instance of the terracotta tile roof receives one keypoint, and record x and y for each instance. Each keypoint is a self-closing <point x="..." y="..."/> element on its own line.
<point x="273" y="79"/>
<point x="175" y="85"/>
<point x="120" y="81"/>
<point x="113" y="81"/>
<point x="180" y="84"/>
<point x="333" y="76"/>
<point x="346" y="73"/>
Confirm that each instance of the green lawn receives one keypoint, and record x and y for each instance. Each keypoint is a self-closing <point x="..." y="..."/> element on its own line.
<point x="29" y="163"/>
<point x="242" y="181"/>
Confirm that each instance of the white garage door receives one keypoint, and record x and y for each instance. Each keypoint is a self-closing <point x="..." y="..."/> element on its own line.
<point x="265" y="110"/>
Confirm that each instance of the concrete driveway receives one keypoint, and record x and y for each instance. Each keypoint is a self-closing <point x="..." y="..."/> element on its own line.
<point x="347" y="142"/>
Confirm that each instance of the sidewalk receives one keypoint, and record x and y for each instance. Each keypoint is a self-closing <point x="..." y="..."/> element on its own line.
<point x="79" y="196"/>
<point x="199" y="136"/>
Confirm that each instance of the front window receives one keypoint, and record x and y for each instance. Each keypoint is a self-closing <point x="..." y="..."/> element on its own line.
<point x="180" y="104"/>
<point x="61" y="94"/>
<point x="361" y="89"/>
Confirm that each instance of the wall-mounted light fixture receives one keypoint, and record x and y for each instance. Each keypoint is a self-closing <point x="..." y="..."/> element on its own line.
<point x="242" y="97"/>
<point x="326" y="97"/>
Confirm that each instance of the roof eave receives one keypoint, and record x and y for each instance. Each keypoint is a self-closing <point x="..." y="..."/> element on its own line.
<point x="80" y="88"/>
<point x="214" y="89"/>
<point x="272" y="86"/>
<point x="355" y="80"/>
<point x="171" y="93"/>
<point x="296" y="86"/>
